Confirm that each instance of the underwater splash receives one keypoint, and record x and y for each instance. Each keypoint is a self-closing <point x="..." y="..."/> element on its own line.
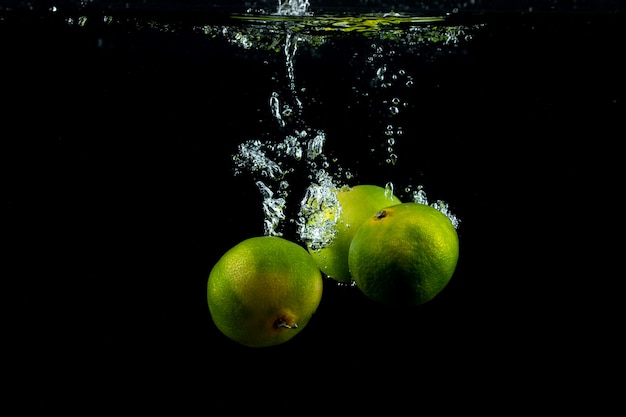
<point x="269" y="161"/>
<point x="293" y="7"/>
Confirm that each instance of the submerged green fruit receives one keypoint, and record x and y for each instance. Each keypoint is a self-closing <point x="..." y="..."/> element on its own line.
<point x="404" y="254"/>
<point x="357" y="203"/>
<point x="263" y="291"/>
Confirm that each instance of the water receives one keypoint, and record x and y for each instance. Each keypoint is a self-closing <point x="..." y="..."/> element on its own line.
<point x="293" y="26"/>
<point x="139" y="145"/>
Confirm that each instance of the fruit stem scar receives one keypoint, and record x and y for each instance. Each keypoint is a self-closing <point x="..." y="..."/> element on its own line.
<point x="283" y="323"/>
<point x="380" y="214"/>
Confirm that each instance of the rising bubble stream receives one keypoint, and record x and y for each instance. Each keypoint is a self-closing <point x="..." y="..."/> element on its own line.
<point x="300" y="152"/>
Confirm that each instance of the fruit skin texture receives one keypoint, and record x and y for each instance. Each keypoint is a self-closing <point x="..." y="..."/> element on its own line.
<point x="404" y="255"/>
<point x="358" y="203"/>
<point x="263" y="291"/>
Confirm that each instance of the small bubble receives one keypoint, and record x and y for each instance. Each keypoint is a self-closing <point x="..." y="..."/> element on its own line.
<point x="380" y="72"/>
<point x="394" y="110"/>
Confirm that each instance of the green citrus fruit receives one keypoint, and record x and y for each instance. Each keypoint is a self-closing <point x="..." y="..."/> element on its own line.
<point x="404" y="254"/>
<point x="357" y="204"/>
<point x="263" y="291"/>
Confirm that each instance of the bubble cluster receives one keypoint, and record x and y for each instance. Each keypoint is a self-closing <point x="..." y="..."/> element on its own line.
<point x="293" y="7"/>
<point x="302" y="152"/>
<point x="270" y="162"/>
<point x="419" y="196"/>
<point x="315" y="229"/>
<point x="273" y="209"/>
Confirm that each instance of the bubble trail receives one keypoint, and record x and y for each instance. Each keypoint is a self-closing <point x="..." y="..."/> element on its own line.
<point x="272" y="161"/>
<point x="273" y="209"/>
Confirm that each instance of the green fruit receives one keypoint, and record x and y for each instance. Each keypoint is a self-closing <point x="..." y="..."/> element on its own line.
<point x="263" y="291"/>
<point x="357" y="205"/>
<point x="404" y="255"/>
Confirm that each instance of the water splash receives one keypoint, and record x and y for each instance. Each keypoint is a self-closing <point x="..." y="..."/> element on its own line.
<point x="291" y="47"/>
<point x="253" y="156"/>
<point x="291" y="109"/>
<point x="273" y="209"/>
<point x="293" y="8"/>
<point x="419" y="196"/>
<point x="319" y="211"/>
<point x="271" y="161"/>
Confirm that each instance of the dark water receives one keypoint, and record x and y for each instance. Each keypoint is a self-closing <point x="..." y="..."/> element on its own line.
<point x="121" y="195"/>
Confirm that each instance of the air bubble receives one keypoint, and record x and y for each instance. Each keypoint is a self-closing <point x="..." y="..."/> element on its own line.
<point x="393" y="158"/>
<point x="380" y="73"/>
<point x="389" y="190"/>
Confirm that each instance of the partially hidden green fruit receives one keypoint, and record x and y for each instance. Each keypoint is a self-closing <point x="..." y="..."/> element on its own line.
<point x="404" y="255"/>
<point x="357" y="204"/>
<point x="263" y="291"/>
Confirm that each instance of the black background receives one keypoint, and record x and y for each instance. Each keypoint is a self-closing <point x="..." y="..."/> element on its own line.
<point x="120" y="195"/>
